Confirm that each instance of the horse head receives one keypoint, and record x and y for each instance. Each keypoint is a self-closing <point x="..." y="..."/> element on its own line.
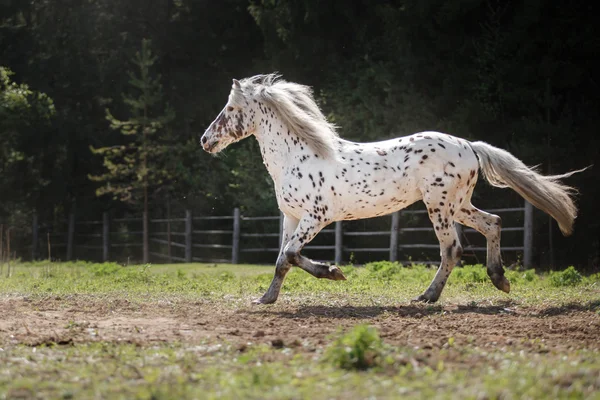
<point x="234" y="122"/>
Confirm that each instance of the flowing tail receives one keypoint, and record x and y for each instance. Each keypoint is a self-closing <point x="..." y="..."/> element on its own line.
<point x="546" y="192"/>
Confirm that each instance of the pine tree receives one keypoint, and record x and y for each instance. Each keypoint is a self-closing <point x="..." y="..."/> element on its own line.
<point x="26" y="118"/>
<point x="141" y="163"/>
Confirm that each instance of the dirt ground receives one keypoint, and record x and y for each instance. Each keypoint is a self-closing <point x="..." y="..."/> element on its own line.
<point x="80" y="319"/>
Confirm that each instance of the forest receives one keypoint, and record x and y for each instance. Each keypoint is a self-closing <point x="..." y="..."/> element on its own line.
<point x="103" y="102"/>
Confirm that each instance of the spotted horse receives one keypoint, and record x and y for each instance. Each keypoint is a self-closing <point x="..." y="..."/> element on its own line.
<point x="320" y="178"/>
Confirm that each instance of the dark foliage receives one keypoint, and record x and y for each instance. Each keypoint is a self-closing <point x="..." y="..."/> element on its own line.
<point x="520" y="75"/>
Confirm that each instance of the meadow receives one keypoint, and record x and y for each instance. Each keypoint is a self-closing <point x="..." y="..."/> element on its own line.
<point x="84" y="330"/>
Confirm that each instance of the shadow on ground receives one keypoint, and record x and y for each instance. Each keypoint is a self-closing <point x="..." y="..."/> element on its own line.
<point x="423" y="310"/>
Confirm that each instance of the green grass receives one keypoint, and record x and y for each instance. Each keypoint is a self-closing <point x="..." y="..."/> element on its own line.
<point x="357" y="363"/>
<point x="174" y="371"/>
<point x="380" y="283"/>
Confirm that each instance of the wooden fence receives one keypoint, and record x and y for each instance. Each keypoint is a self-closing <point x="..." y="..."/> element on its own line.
<point x="227" y="238"/>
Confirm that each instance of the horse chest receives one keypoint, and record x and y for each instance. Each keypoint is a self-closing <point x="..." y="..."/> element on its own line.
<point x="301" y="189"/>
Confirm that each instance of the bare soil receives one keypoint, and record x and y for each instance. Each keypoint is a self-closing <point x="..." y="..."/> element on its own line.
<point x="82" y="319"/>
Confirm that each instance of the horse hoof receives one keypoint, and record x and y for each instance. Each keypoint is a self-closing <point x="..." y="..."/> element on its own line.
<point x="423" y="299"/>
<point x="264" y="300"/>
<point x="420" y="299"/>
<point x="336" y="274"/>
<point x="502" y="283"/>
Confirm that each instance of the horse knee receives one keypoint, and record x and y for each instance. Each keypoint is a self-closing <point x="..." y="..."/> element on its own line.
<point x="291" y="256"/>
<point x="282" y="261"/>
<point x="494" y="227"/>
<point x="454" y="251"/>
<point x="497" y="221"/>
<point x="458" y="252"/>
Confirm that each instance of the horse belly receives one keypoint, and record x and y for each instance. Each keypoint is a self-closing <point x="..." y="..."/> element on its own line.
<point x="386" y="194"/>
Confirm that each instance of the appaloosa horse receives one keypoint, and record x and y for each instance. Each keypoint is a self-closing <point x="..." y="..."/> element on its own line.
<point x="320" y="178"/>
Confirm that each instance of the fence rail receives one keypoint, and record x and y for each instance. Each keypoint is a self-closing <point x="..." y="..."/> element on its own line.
<point x="234" y="235"/>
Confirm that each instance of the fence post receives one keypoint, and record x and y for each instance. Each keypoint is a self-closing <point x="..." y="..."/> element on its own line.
<point x="34" y="238"/>
<point x="105" y="236"/>
<point x="235" y="244"/>
<point x="169" y="229"/>
<point x="145" y="235"/>
<point x="528" y="235"/>
<point x="188" y="236"/>
<point x="70" y="236"/>
<point x="1" y="248"/>
<point x="339" y="237"/>
<point x="394" y="236"/>
<point x="8" y="252"/>
<point x="49" y="246"/>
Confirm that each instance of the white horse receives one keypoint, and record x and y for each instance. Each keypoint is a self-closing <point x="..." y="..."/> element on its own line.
<point x="320" y="178"/>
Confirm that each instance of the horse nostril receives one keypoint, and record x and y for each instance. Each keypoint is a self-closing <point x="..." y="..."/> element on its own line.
<point x="204" y="139"/>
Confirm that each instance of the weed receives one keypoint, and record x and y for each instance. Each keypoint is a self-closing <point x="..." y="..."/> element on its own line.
<point x="568" y="277"/>
<point x="226" y="276"/>
<point x="470" y="274"/>
<point x="105" y="269"/>
<point x="360" y="348"/>
<point x="529" y="275"/>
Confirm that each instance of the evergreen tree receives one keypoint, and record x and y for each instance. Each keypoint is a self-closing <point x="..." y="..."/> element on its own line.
<point x="25" y="117"/>
<point x="141" y="163"/>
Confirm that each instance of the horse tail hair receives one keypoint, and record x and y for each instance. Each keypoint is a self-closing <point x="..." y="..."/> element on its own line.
<point x="546" y="192"/>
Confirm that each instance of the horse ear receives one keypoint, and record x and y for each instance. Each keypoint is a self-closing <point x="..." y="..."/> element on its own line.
<point x="237" y="85"/>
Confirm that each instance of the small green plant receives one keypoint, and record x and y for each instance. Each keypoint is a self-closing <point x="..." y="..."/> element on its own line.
<point x="352" y="259"/>
<point x="378" y="265"/>
<point x="529" y="275"/>
<point x="106" y="269"/>
<point x="226" y="276"/>
<point x="568" y="277"/>
<point x="470" y="274"/>
<point x="360" y="348"/>
<point x="385" y="269"/>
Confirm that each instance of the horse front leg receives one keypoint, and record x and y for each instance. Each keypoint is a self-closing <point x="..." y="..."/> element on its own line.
<point x="315" y="268"/>
<point x="289" y="255"/>
<point x="282" y="266"/>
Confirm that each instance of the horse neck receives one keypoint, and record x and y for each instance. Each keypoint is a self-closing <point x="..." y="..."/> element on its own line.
<point x="279" y="146"/>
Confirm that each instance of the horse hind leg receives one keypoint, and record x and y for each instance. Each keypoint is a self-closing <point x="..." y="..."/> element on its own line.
<point x="490" y="226"/>
<point x="450" y="249"/>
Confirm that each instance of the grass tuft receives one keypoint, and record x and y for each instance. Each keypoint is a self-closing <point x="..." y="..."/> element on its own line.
<point x="359" y="349"/>
<point x="568" y="277"/>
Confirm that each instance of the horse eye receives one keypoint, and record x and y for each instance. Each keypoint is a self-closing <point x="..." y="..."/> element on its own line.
<point x="229" y="109"/>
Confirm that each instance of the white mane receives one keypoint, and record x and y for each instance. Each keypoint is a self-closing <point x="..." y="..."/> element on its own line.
<point x="296" y="106"/>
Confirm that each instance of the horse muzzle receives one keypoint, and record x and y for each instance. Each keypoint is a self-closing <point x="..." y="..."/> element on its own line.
<point x="208" y="145"/>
